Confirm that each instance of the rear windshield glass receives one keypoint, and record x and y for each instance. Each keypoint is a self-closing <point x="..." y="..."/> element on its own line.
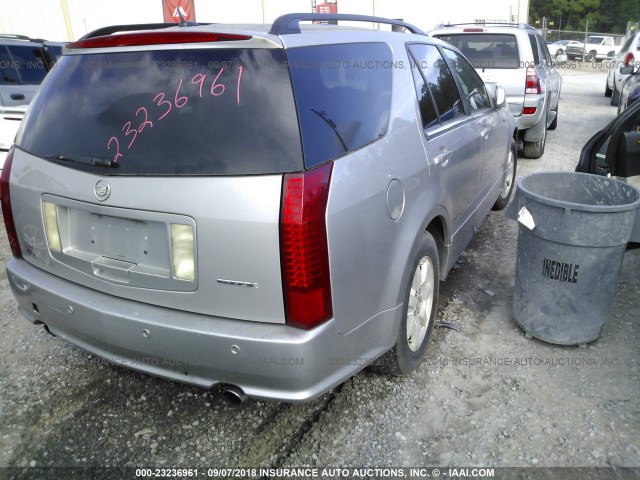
<point x="173" y="112"/>
<point x="485" y="50"/>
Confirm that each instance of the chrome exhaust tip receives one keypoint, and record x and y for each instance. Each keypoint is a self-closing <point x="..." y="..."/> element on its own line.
<point x="234" y="394"/>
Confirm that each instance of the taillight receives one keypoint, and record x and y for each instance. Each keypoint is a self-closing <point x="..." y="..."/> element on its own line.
<point x="532" y="83"/>
<point x="304" y="248"/>
<point x="154" y="38"/>
<point x="5" y="200"/>
<point x="473" y="30"/>
<point x="629" y="59"/>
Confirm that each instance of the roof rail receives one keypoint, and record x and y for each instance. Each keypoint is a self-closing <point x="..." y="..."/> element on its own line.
<point x="130" y="28"/>
<point x="21" y="37"/>
<point x="290" y="23"/>
<point x="484" y="24"/>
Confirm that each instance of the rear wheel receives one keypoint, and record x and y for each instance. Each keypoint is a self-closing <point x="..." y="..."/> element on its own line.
<point x="418" y="313"/>
<point x="509" y="180"/>
<point x="535" y="149"/>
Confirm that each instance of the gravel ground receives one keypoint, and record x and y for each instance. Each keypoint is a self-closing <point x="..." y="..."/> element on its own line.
<point x="60" y="407"/>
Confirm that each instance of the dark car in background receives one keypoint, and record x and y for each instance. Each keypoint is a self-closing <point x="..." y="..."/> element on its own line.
<point x="615" y="150"/>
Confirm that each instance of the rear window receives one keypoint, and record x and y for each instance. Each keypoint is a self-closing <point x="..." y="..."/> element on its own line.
<point x="485" y="50"/>
<point x="22" y="65"/>
<point x="173" y="112"/>
<point x="343" y="94"/>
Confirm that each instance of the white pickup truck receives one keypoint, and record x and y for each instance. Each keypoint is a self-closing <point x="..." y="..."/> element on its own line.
<point x="596" y="47"/>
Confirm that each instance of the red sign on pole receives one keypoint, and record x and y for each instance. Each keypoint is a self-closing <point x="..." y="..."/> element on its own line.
<point x="327" y="8"/>
<point x="172" y="9"/>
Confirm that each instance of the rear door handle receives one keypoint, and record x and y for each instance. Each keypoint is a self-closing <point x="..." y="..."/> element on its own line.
<point x="443" y="157"/>
<point x="485" y="133"/>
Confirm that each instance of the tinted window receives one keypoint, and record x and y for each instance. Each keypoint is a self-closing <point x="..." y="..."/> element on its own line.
<point x="439" y="80"/>
<point x="472" y="85"/>
<point x="176" y="112"/>
<point x="343" y="95"/>
<point x="534" y="48"/>
<point x="8" y="70"/>
<point x="486" y="50"/>
<point x="29" y="62"/>
<point x="428" y="111"/>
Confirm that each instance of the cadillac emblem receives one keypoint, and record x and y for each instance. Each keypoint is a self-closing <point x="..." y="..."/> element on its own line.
<point x="102" y="190"/>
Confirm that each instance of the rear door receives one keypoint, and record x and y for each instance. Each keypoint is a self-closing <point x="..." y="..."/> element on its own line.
<point x="493" y="129"/>
<point x="452" y="137"/>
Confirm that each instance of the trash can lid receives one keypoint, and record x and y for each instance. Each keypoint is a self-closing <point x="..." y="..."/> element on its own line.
<point x="580" y="191"/>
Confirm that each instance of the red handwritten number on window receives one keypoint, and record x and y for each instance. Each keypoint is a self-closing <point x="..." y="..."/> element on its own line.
<point x="146" y="119"/>
<point x="238" y="85"/>
<point x="127" y="127"/>
<point x="118" y="154"/>
<point x="180" y="101"/>
<point x="161" y="100"/>
<point x="199" y="78"/>
<point x="219" y="87"/>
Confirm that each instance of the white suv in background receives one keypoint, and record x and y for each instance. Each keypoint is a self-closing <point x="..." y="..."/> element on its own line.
<point x="516" y="58"/>
<point x="629" y="55"/>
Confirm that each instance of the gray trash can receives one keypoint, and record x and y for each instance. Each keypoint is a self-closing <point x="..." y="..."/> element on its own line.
<point x="572" y="236"/>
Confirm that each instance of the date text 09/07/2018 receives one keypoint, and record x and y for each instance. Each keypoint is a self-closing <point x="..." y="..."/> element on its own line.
<point x="314" y="472"/>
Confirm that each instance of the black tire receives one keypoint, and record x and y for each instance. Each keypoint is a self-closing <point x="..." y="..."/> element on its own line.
<point x="615" y="97"/>
<point x="535" y="149"/>
<point x="607" y="90"/>
<point x="509" y="180"/>
<point x="591" y="56"/>
<point x="554" y="123"/>
<point x="404" y="357"/>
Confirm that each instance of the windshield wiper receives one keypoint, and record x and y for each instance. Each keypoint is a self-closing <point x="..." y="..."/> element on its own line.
<point x="94" y="161"/>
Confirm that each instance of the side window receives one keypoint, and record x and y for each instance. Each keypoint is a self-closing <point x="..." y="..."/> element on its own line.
<point x="608" y="41"/>
<point x="8" y="71"/>
<point x="343" y="97"/>
<point x="428" y="111"/>
<point x="472" y="85"/>
<point x="546" y="54"/>
<point x="30" y="64"/>
<point x="534" y="48"/>
<point x="439" y="80"/>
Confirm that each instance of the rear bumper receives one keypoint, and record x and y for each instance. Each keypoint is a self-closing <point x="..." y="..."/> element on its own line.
<point x="265" y="360"/>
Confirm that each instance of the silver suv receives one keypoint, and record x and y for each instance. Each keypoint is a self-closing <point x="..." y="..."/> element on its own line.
<point x="517" y="58"/>
<point x="269" y="208"/>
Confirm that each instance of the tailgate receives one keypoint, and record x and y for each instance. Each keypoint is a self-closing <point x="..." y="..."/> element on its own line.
<point x="137" y="243"/>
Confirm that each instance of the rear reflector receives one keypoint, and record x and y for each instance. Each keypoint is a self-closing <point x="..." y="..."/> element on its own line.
<point x="304" y="249"/>
<point x="155" y="38"/>
<point x="5" y="200"/>
<point x="532" y="83"/>
<point x="529" y="110"/>
<point x="182" y="252"/>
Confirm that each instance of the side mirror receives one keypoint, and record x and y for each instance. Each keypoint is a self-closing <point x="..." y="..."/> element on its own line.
<point x="500" y="97"/>
<point x="627" y="70"/>
<point x="561" y="59"/>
